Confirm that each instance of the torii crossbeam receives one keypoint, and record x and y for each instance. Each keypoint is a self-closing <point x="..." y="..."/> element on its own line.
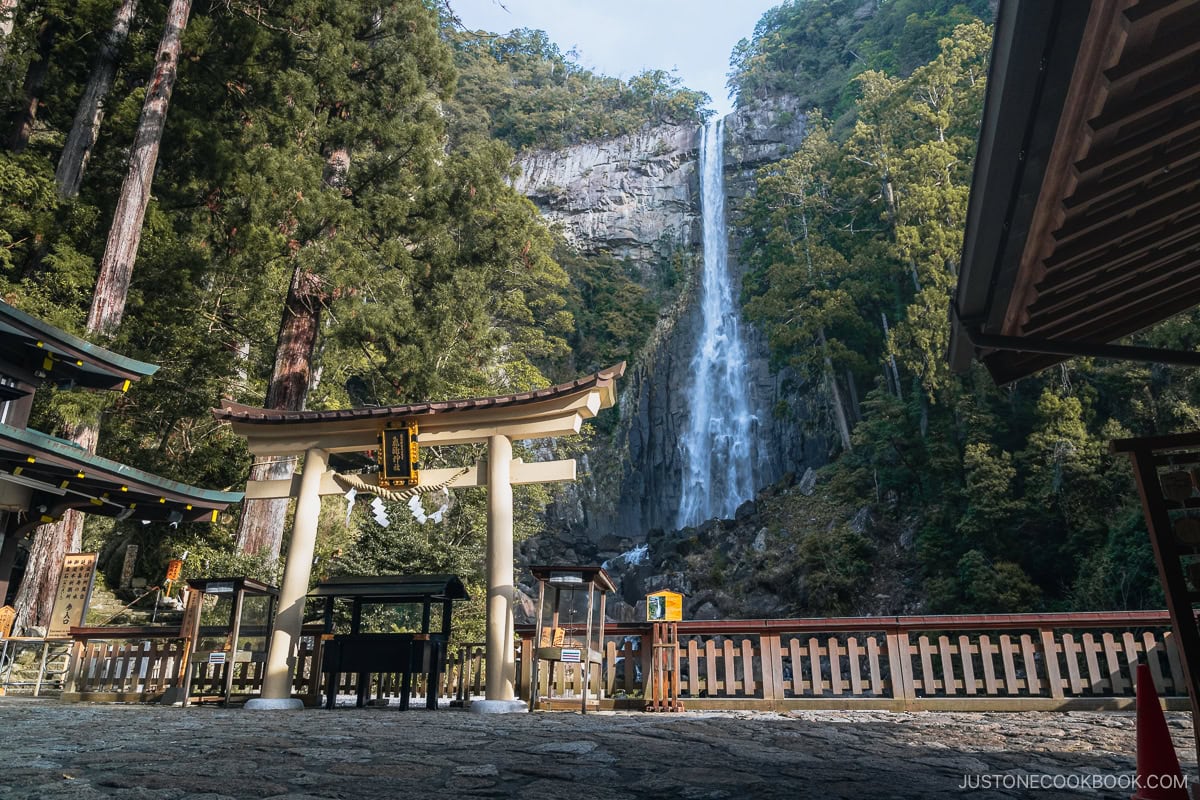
<point x="544" y="413"/>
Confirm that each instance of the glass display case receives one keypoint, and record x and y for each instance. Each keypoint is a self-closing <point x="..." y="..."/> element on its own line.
<point x="569" y="656"/>
<point x="227" y="622"/>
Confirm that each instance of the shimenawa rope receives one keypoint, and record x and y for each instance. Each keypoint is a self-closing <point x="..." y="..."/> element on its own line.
<point x="348" y="482"/>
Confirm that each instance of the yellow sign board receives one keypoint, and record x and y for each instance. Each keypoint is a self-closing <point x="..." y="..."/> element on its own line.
<point x="74" y="592"/>
<point x="398" y="455"/>
<point x="664" y="606"/>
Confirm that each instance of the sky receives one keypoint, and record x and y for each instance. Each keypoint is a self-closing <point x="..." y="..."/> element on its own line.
<point x="621" y="38"/>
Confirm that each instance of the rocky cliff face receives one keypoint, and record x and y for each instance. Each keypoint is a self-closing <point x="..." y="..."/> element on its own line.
<point x="633" y="196"/>
<point x="637" y="197"/>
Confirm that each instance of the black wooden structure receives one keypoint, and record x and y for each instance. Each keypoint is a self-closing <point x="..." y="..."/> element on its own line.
<point x="409" y="653"/>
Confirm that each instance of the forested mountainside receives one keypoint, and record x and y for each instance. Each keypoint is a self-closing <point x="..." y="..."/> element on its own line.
<point x="333" y="222"/>
<point x="993" y="499"/>
<point x="813" y="50"/>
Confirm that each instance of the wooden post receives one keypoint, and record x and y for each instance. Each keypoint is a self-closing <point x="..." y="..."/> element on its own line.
<point x="586" y="666"/>
<point x="234" y="632"/>
<point x="74" y="666"/>
<point x="1167" y="556"/>
<point x="900" y="668"/>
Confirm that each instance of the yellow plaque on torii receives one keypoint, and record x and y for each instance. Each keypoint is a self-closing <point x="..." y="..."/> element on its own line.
<point x="398" y="454"/>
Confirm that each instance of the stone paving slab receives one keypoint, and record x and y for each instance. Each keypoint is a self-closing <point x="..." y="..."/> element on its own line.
<point x="92" y="751"/>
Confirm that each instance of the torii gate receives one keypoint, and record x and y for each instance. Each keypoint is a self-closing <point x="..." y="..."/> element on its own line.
<point x="556" y="411"/>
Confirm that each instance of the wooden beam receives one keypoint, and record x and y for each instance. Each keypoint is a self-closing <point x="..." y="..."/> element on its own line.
<point x="268" y="441"/>
<point x="567" y="425"/>
<point x="1103" y="42"/>
<point x="1138" y="171"/>
<point x="1105" y="285"/>
<point x="521" y="473"/>
<point x="1179" y="44"/>
<point x="1058" y="347"/>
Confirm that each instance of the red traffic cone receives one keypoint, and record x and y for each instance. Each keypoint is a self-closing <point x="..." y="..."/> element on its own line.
<point x="1158" y="773"/>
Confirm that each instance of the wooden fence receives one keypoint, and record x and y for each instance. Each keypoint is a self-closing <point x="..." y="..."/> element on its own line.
<point x="140" y="664"/>
<point x="985" y="662"/>
<point x="963" y="663"/>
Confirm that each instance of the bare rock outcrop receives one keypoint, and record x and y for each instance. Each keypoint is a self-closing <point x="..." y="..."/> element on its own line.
<point x="633" y="196"/>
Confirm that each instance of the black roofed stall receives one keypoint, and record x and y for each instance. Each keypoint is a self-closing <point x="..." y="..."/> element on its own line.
<point x="404" y="605"/>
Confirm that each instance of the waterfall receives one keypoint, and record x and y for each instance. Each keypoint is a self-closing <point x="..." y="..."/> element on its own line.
<point x="717" y="445"/>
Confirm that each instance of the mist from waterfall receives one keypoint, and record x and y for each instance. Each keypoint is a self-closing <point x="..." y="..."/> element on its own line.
<point x="717" y="445"/>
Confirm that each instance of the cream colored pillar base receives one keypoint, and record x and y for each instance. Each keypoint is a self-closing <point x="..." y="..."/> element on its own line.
<point x="498" y="707"/>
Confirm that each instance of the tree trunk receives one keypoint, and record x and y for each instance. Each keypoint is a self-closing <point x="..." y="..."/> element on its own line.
<point x="855" y="406"/>
<point x="26" y="114"/>
<point x="835" y="396"/>
<point x="889" y="198"/>
<point x="261" y="527"/>
<point x="120" y="252"/>
<point x="895" y="373"/>
<point x="35" y="596"/>
<point x="86" y="126"/>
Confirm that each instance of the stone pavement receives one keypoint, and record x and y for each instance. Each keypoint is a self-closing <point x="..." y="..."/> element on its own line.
<point x="87" y="751"/>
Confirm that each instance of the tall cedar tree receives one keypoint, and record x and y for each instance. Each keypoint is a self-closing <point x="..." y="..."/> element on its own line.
<point x="85" y="128"/>
<point x="411" y="271"/>
<point x="35" y="599"/>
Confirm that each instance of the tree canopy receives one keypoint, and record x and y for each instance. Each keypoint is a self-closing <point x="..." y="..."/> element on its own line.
<point x="851" y="246"/>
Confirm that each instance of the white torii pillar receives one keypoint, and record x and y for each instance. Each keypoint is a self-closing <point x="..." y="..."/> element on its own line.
<point x="285" y="633"/>
<point x="500" y="693"/>
<point x="545" y="413"/>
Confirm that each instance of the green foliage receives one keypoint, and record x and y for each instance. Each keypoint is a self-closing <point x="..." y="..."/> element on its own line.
<point x="1014" y="501"/>
<point x="614" y="311"/>
<point x="522" y="89"/>
<point x="837" y="563"/>
<point x="304" y="139"/>
<point x="812" y="49"/>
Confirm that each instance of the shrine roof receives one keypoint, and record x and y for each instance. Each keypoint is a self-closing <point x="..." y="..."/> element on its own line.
<point x="393" y="588"/>
<point x="540" y="413"/>
<point x="33" y="344"/>
<point x="70" y="475"/>
<point x="1084" y="217"/>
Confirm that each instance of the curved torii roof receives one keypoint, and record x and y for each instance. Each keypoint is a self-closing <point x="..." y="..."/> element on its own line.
<point x="554" y="411"/>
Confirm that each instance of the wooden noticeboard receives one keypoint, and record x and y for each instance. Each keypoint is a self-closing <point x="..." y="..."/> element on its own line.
<point x="74" y="593"/>
<point x="664" y="606"/>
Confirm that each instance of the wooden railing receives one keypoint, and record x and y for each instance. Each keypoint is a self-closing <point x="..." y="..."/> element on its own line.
<point x="983" y="662"/>
<point x="32" y="665"/>
<point x="139" y="664"/>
